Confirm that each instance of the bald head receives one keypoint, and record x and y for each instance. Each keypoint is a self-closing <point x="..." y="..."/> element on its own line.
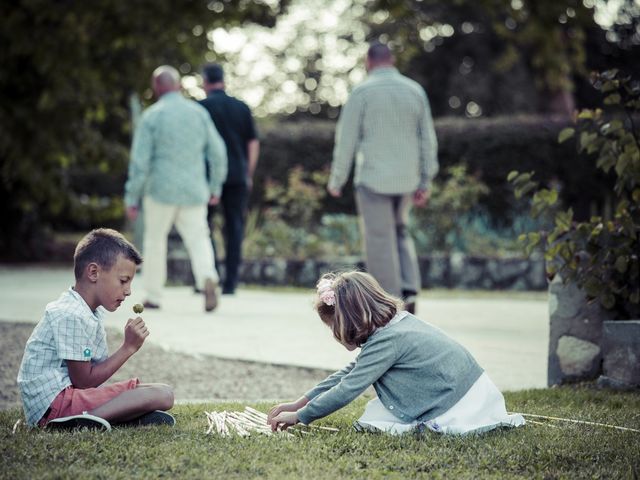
<point x="165" y="79"/>
<point x="379" y="55"/>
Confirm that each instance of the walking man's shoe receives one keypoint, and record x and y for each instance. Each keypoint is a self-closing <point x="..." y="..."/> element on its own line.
<point x="150" y="305"/>
<point x="73" y="422"/>
<point x="210" y="295"/>
<point x="410" y="304"/>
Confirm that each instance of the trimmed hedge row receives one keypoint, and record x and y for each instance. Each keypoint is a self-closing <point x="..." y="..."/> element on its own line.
<point x="490" y="147"/>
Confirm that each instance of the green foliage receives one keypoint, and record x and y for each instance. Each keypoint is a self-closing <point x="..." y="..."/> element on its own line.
<point x="550" y="36"/>
<point x="437" y="227"/>
<point x="288" y="224"/>
<point x="538" y="450"/>
<point x="490" y="149"/>
<point x="601" y="255"/>
<point x="294" y="223"/>
<point x="68" y="70"/>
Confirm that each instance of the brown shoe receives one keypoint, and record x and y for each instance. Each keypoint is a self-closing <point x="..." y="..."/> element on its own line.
<point x="150" y="305"/>
<point x="210" y="295"/>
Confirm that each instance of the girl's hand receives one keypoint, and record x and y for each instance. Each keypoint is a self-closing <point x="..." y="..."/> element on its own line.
<point x="287" y="407"/>
<point x="283" y="421"/>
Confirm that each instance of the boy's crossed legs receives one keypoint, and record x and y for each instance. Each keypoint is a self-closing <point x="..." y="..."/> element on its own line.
<point x="127" y="402"/>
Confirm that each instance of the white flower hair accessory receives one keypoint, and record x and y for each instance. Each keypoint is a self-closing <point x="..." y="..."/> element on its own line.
<point x="325" y="292"/>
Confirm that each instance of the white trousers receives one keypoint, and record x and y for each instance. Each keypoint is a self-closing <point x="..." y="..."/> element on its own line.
<point x="191" y="223"/>
<point x="481" y="409"/>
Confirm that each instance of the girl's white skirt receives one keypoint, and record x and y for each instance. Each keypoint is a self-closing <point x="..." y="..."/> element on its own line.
<point x="481" y="409"/>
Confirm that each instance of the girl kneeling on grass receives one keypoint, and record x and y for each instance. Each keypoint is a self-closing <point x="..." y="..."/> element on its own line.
<point x="422" y="377"/>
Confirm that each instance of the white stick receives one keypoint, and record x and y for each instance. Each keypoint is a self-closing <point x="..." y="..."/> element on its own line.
<point x="583" y="422"/>
<point x="15" y="426"/>
<point x="223" y="421"/>
<point x="256" y="418"/>
<point x="258" y="413"/>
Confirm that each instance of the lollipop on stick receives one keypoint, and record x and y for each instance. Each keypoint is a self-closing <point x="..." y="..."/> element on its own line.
<point x="138" y="308"/>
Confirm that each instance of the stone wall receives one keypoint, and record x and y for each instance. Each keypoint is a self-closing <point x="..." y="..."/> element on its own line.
<point x="438" y="271"/>
<point x="575" y="334"/>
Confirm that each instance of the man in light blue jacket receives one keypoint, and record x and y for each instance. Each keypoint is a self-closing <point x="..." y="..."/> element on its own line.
<point x="167" y="175"/>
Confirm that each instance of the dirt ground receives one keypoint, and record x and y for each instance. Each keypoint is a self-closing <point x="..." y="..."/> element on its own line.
<point x="192" y="377"/>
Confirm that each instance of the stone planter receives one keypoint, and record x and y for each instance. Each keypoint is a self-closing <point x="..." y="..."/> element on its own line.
<point x="621" y="354"/>
<point x="575" y="334"/>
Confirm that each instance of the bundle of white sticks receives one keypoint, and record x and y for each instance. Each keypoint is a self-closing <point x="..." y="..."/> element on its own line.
<point x="249" y="421"/>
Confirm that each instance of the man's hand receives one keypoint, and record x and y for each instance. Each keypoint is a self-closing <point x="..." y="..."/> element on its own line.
<point x="283" y="421"/>
<point x="213" y="200"/>
<point x="132" y="213"/>
<point x="334" y="192"/>
<point x="135" y="331"/>
<point x="421" y="197"/>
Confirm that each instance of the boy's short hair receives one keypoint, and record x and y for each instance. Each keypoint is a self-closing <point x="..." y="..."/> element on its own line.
<point x="102" y="246"/>
<point x="361" y="306"/>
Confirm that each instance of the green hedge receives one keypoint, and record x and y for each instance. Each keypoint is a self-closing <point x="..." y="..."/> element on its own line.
<point x="490" y="148"/>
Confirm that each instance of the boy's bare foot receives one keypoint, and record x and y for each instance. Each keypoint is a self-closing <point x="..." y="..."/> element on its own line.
<point x="210" y="295"/>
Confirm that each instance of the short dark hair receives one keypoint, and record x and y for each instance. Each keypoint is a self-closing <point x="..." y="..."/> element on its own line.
<point x="213" y="73"/>
<point x="379" y="52"/>
<point x="102" y="246"/>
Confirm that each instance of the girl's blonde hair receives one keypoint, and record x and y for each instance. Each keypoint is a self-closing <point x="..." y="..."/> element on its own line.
<point x="355" y="306"/>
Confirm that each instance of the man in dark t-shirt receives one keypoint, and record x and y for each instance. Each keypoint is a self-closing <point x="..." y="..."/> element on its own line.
<point x="234" y="121"/>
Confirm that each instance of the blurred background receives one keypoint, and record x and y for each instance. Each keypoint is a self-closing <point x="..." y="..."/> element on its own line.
<point x="504" y="77"/>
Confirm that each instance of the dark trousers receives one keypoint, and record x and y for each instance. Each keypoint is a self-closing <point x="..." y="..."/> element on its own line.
<point x="233" y="203"/>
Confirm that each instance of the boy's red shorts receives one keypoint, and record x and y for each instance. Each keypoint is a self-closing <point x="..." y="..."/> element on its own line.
<point x="74" y="401"/>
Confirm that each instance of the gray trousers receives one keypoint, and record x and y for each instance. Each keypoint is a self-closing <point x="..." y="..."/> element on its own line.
<point x="390" y="253"/>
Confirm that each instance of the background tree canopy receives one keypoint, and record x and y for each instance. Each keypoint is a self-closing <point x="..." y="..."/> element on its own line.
<point x="70" y="68"/>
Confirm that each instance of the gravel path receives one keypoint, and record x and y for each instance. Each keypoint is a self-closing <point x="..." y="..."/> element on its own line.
<point x="192" y="377"/>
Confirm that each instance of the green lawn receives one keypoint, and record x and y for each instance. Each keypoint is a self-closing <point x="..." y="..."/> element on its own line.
<point x="552" y="450"/>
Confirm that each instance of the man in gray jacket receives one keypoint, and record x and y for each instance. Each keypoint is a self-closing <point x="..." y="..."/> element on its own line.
<point x="386" y="125"/>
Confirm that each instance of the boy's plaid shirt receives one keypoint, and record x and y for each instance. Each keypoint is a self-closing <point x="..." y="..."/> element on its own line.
<point x="69" y="330"/>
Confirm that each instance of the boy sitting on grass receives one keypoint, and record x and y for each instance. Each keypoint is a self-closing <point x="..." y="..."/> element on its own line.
<point x="66" y="361"/>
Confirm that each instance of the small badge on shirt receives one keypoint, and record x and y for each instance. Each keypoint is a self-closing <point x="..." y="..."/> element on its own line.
<point x="87" y="353"/>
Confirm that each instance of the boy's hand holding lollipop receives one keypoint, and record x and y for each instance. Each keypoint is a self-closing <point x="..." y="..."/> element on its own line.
<point x="135" y="331"/>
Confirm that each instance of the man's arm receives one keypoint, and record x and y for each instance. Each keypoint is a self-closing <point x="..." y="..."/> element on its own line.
<point x="216" y="153"/>
<point x="428" y="148"/>
<point x="87" y="374"/>
<point x="140" y="163"/>
<point x="346" y="143"/>
<point x="253" y="152"/>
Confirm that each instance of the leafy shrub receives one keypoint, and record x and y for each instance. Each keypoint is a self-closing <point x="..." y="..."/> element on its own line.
<point x="437" y="227"/>
<point x="489" y="147"/>
<point x="295" y="226"/>
<point x="602" y="256"/>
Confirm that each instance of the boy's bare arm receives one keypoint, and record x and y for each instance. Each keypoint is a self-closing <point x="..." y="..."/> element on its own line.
<point x="88" y="375"/>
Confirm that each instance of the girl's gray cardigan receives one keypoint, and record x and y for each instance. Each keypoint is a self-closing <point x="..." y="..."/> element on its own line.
<point x="417" y="371"/>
